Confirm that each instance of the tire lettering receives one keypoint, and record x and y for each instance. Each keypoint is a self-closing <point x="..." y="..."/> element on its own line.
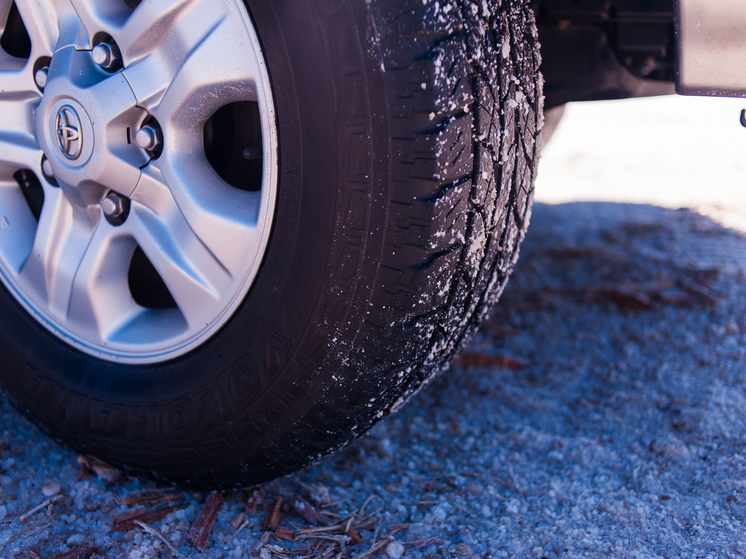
<point x="179" y="418"/>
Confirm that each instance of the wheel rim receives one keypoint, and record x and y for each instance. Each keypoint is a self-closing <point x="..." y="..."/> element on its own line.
<point x="129" y="225"/>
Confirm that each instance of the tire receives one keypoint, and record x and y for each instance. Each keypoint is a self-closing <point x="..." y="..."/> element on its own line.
<point x="407" y="143"/>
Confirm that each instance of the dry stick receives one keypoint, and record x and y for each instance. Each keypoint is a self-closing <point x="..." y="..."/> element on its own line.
<point x="80" y="552"/>
<point x="22" y="532"/>
<point x="365" y="504"/>
<point x="201" y="528"/>
<point x="334" y="504"/>
<point x="373" y="549"/>
<point x="349" y="524"/>
<point x="37" y="508"/>
<point x="375" y="532"/>
<point x="262" y="542"/>
<point x="325" y="538"/>
<point x="242" y="526"/>
<point x="335" y="527"/>
<point x="515" y="481"/>
<point x="354" y="516"/>
<point x="156" y="534"/>
<point x="320" y="529"/>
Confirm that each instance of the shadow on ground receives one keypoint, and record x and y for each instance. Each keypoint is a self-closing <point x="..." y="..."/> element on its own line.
<point x="600" y="411"/>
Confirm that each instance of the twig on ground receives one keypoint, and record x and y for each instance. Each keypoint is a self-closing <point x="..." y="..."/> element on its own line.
<point x="202" y="526"/>
<point x="262" y="542"/>
<point x="28" y="531"/>
<point x="127" y="522"/>
<point x="306" y="511"/>
<point x="156" y="534"/>
<point x="151" y="498"/>
<point x="274" y="515"/>
<point x="418" y="544"/>
<point x="373" y="549"/>
<point x="37" y="508"/>
<point x="80" y="552"/>
<point x="284" y="533"/>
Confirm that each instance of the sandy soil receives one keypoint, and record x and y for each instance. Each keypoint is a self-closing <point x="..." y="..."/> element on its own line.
<point x="600" y="412"/>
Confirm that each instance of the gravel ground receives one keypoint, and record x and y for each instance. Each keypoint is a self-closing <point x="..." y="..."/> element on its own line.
<point x="600" y="412"/>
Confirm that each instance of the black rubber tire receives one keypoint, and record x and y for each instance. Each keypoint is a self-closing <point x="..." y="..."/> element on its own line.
<point x="408" y="148"/>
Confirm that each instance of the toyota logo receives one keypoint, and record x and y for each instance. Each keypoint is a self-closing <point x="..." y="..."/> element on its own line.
<point x="69" y="133"/>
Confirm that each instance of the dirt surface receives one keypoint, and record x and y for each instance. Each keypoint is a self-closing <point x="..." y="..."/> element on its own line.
<point x="600" y="412"/>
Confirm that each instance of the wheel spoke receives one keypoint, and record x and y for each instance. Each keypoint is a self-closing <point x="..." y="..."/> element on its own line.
<point x="18" y="97"/>
<point x="17" y="227"/>
<point x="155" y="19"/>
<point x="5" y="6"/>
<point x="96" y="16"/>
<point x="177" y="60"/>
<point x="100" y="299"/>
<point x="17" y="151"/>
<point x="64" y="233"/>
<point x="195" y="277"/>
<point x="223" y="218"/>
<point x="16" y="81"/>
<point x="41" y="20"/>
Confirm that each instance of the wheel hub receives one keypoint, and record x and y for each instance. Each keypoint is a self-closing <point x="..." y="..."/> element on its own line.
<point x="84" y="125"/>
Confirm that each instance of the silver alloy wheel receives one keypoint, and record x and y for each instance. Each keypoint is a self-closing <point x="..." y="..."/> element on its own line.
<point x="180" y="62"/>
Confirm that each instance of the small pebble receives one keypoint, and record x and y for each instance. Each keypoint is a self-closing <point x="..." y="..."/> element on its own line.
<point x="463" y="550"/>
<point x="3" y="511"/>
<point x="395" y="550"/>
<point x="75" y="540"/>
<point x="51" y="488"/>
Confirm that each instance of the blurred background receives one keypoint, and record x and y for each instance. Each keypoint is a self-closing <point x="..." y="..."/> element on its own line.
<point x="668" y="151"/>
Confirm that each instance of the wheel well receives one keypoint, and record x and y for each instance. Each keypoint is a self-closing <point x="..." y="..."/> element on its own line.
<point x="606" y="49"/>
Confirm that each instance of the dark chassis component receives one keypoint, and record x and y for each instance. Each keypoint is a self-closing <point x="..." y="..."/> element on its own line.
<point x="605" y="49"/>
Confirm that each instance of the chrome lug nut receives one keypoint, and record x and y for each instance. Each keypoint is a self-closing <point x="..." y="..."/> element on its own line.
<point x="40" y="77"/>
<point x="149" y="137"/>
<point x="107" y="56"/>
<point x="46" y="168"/>
<point x="113" y="205"/>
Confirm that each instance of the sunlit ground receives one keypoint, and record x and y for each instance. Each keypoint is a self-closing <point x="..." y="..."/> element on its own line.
<point x="668" y="151"/>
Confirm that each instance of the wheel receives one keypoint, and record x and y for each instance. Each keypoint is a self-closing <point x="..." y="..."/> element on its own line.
<point x="233" y="237"/>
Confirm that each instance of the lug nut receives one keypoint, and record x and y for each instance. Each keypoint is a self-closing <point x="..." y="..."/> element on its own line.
<point x="107" y="56"/>
<point x="149" y="137"/>
<point x="40" y="77"/>
<point x="46" y="168"/>
<point x="113" y="205"/>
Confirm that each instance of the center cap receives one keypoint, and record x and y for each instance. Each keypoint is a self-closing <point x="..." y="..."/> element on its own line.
<point x="83" y="125"/>
<point x="69" y="132"/>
